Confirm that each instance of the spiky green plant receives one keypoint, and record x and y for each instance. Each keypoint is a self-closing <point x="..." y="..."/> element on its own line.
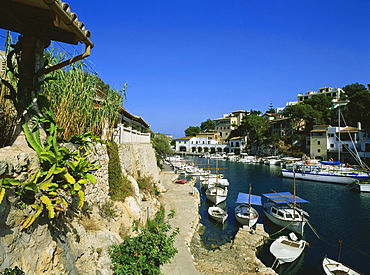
<point x="80" y="100"/>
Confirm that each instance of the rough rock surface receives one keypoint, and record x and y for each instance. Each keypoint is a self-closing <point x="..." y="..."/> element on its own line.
<point x="78" y="242"/>
<point x="235" y="258"/>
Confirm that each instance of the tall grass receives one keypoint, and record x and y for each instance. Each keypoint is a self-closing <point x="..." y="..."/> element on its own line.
<point x="73" y="98"/>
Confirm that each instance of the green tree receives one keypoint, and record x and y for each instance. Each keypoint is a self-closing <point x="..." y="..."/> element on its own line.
<point x="322" y="104"/>
<point x="302" y="111"/>
<point x="353" y="88"/>
<point x="161" y="144"/>
<point x="192" y="131"/>
<point x="358" y="109"/>
<point x="207" y="125"/>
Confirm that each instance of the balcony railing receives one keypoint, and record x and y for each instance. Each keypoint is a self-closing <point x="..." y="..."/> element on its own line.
<point x="123" y="134"/>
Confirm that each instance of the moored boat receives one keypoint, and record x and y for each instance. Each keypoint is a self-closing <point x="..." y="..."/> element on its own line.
<point x="216" y="194"/>
<point x="217" y="213"/>
<point x="281" y="209"/>
<point x="287" y="249"/>
<point x="245" y="214"/>
<point x="332" y="267"/>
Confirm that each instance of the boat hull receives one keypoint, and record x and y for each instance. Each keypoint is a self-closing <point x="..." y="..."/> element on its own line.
<point x="216" y="194"/>
<point x="286" y="250"/>
<point x="323" y="177"/>
<point x="293" y="225"/>
<point x="333" y="267"/>
<point x="246" y="215"/>
<point x="217" y="213"/>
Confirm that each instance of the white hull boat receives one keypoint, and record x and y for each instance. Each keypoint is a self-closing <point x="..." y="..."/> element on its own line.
<point x="363" y="186"/>
<point x="280" y="209"/>
<point x="246" y="215"/>
<point x="332" y="267"/>
<point x="217" y="213"/>
<point x="324" y="176"/>
<point x="216" y="194"/>
<point x="214" y="182"/>
<point x="287" y="249"/>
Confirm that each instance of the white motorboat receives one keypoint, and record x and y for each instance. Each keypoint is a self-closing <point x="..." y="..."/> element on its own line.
<point x="217" y="213"/>
<point x="287" y="249"/>
<point x="332" y="267"/>
<point x="281" y="209"/>
<point x="272" y="160"/>
<point x="363" y="186"/>
<point x="245" y="214"/>
<point x="216" y="194"/>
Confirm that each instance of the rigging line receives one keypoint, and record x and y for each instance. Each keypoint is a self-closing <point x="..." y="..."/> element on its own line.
<point x="356" y="157"/>
<point x="356" y="250"/>
<point x="315" y="231"/>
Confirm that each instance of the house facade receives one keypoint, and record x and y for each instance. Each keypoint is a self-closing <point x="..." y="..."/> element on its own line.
<point x="201" y="143"/>
<point x="237" y="144"/>
<point x="228" y="123"/>
<point x="335" y="93"/>
<point x="327" y="142"/>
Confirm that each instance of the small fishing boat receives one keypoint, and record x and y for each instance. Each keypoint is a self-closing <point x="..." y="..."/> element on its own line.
<point x="217" y="213"/>
<point x="216" y="194"/>
<point x="332" y="267"/>
<point x="287" y="249"/>
<point x="245" y="214"/>
<point x="181" y="181"/>
<point x="281" y="209"/>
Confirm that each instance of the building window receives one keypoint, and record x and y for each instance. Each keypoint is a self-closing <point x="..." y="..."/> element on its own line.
<point x="332" y="145"/>
<point x="318" y="142"/>
<point x="318" y="150"/>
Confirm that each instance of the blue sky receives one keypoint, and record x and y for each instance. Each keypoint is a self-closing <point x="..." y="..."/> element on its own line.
<point x="186" y="61"/>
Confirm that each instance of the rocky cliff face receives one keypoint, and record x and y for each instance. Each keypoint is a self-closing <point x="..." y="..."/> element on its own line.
<point x="78" y="242"/>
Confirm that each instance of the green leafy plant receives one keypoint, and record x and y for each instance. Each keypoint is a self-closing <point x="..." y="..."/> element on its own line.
<point x="119" y="185"/>
<point x="12" y="271"/>
<point x="62" y="175"/>
<point x="107" y="210"/>
<point x="147" y="252"/>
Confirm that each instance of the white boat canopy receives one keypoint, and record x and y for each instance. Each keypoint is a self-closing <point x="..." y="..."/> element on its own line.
<point x="284" y="197"/>
<point x="247" y="198"/>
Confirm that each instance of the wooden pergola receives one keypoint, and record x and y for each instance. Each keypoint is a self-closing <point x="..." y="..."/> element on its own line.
<point x="39" y="22"/>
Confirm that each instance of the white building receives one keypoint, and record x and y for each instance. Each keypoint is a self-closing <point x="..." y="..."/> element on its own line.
<point x="335" y="93"/>
<point x="339" y="143"/>
<point x="201" y="143"/>
<point x="237" y="144"/>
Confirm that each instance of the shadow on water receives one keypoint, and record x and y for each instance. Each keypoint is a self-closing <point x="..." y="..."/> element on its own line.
<point x="336" y="213"/>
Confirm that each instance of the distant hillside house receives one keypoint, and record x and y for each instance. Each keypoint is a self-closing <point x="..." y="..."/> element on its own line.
<point x="201" y="143"/>
<point x="339" y="142"/>
<point x="285" y="127"/>
<point x="228" y="123"/>
<point x="335" y="93"/>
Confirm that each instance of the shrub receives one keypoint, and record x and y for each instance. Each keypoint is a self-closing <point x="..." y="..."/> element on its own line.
<point x="119" y="186"/>
<point x="147" y="252"/>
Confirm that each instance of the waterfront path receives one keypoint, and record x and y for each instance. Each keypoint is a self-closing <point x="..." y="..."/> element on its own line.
<point x="185" y="202"/>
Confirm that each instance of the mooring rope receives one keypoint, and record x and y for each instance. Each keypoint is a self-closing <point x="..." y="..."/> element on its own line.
<point x="315" y="231"/>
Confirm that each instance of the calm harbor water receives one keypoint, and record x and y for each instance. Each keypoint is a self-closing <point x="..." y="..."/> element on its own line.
<point x="336" y="213"/>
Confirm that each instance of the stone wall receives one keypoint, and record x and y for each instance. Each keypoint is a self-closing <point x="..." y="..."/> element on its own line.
<point x="78" y="242"/>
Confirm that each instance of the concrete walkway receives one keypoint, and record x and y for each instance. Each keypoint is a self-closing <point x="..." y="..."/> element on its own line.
<point x="182" y="199"/>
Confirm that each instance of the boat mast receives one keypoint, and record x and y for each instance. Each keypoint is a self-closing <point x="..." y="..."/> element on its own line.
<point x="339" y="133"/>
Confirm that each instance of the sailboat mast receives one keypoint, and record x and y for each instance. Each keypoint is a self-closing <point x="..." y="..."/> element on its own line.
<point x="339" y="133"/>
